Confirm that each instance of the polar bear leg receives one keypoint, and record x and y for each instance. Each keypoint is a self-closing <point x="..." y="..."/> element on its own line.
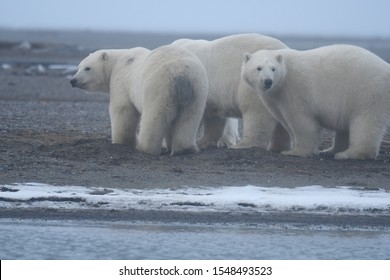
<point x="256" y="130"/>
<point x="340" y="143"/>
<point x="365" y="139"/>
<point x="257" y="122"/>
<point x="191" y="102"/>
<point x="306" y="135"/>
<point x="153" y="127"/>
<point x="231" y="134"/>
<point x="184" y="130"/>
<point x="258" y="125"/>
<point x="213" y="128"/>
<point x="124" y="122"/>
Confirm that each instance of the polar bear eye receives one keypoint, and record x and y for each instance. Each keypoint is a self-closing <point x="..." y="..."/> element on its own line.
<point x="273" y="69"/>
<point x="87" y="68"/>
<point x="258" y="68"/>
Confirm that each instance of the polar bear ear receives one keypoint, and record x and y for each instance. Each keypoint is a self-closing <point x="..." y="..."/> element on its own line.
<point x="130" y="60"/>
<point x="279" y="58"/>
<point x="247" y="56"/>
<point x="104" y="56"/>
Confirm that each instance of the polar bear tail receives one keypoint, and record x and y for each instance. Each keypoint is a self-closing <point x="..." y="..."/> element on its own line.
<point x="184" y="93"/>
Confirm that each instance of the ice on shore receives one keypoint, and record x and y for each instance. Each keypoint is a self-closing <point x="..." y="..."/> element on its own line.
<point x="25" y="45"/>
<point x="38" y="69"/>
<point x="309" y="199"/>
<point x="42" y="69"/>
<point x="63" y="67"/>
<point x="6" y="66"/>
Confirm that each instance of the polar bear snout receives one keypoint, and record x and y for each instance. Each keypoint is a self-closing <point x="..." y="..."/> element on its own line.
<point x="268" y="83"/>
<point x="73" y="82"/>
<point x="77" y="83"/>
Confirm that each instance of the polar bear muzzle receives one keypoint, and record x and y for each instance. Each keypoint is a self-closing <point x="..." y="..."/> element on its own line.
<point x="268" y="83"/>
<point x="77" y="83"/>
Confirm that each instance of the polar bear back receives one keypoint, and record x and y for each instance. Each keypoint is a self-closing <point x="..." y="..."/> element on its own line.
<point x="338" y="81"/>
<point x="173" y="66"/>
<point x="171" y="60"/>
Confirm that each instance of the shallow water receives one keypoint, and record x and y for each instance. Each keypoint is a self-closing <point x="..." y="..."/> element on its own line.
<point x="55" y="239"/>
<point x="38" y="239"/>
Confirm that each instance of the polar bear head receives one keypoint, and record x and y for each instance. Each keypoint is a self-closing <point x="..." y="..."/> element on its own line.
<point x="91" y="74"/>
<point x="263" y="71"/>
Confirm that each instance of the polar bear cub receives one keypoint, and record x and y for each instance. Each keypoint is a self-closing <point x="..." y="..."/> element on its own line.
<point x="163" y="91"/>
<point x="340" y="87"/>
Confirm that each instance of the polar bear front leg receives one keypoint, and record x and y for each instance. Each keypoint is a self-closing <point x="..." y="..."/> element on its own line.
<point x="257" y="122"/>
<point x="256" y="130"/>
<point x="124" y="122"/>
<point x="306" y="136"/>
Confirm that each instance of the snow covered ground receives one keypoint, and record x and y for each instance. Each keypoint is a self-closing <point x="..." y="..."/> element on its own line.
<point x="311" y="199"/>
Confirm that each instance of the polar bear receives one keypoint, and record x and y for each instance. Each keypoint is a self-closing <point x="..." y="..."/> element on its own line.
<point x="341" y="87"/>
<point x="164" y="91"/>
<point x="229" y="97"/>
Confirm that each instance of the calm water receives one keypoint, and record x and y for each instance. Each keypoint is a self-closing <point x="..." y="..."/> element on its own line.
<point x="36" y="239"/>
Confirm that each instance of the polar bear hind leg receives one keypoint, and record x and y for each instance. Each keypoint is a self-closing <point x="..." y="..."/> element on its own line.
<point x="190" y="102"/>
<point x="184" y="130"/>
<point x="151" y="134"/>
<point x="365" y="138"/>
<point x="155" y="121"/>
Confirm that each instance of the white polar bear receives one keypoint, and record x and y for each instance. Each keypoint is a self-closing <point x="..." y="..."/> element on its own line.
<point x="230" y="97"/>
<point x="164" y="91"/>
<point x="340" y="87"/>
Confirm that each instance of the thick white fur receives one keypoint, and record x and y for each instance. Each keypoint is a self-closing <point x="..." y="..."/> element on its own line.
<point x="230" y="97"/>
<point x="163" y="91"/>
<point x="340" y="87"/>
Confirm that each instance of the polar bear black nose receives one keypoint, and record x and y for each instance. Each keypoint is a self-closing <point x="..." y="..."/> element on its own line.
<point x="268" y="83"/>
<point x="73" y="82"/>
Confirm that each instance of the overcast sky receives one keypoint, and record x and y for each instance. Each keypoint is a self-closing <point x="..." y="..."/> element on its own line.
<point x="278" y="17"/>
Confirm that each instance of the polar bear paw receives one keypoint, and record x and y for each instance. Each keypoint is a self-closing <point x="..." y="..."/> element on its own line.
<point x="297" y="153"/>
<point x="353" y="155"/>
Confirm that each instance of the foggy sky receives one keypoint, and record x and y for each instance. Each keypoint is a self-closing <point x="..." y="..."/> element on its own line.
<point x="295" y="17"/>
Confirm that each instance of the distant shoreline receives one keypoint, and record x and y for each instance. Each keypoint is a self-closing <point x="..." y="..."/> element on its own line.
<point x="120" y="39"/>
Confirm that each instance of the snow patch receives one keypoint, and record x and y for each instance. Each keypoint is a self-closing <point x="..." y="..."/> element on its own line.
<point x="310" y="199"/>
